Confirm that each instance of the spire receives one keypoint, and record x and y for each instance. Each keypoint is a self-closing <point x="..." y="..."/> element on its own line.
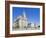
<point x="24" y="14"/>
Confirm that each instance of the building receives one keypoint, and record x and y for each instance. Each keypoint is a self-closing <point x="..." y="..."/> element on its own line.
<point x="21" y="21"/>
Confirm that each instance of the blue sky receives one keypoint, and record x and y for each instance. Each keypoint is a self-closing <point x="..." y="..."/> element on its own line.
<point x="33" y="14"/>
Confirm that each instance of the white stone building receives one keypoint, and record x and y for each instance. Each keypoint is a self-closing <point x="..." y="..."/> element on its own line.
<point x="21" y="21"/>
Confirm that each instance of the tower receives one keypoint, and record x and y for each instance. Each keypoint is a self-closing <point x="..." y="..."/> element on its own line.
<point x="24" y="15"/>
<point x="24" y="20"/>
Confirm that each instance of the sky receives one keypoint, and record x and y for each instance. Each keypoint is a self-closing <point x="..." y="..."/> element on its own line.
<point x="32" y="14"/>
